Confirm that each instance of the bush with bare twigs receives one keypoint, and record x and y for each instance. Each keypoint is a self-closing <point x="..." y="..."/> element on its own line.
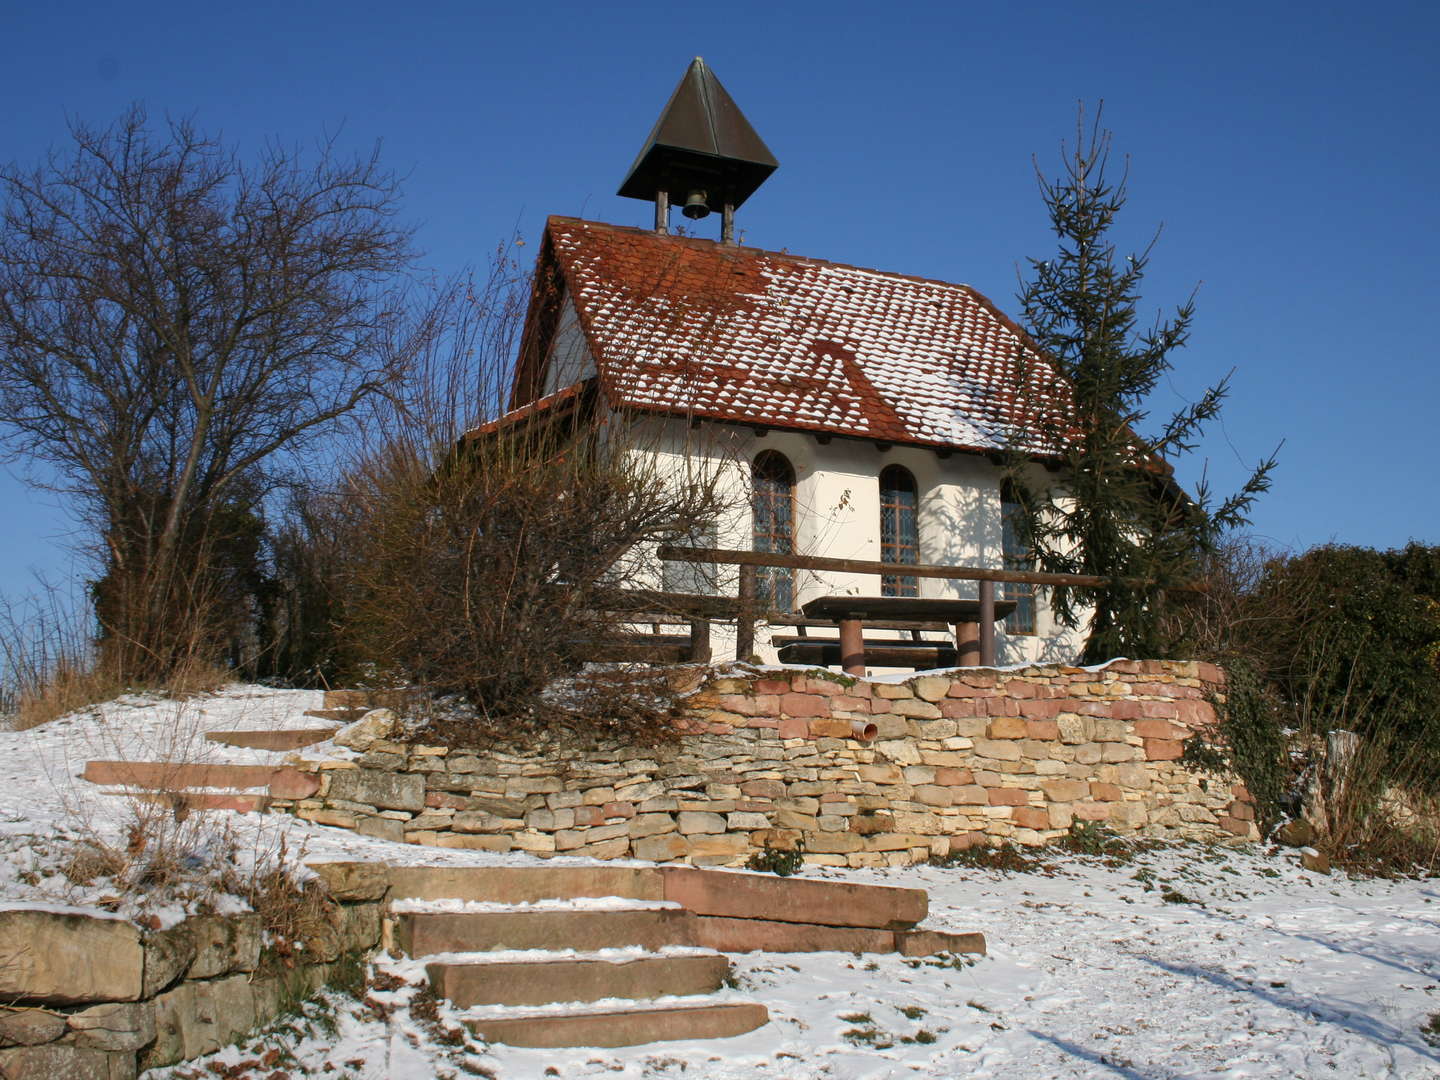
<point x="1333" y="702"/>
<point x="478" y="545"/>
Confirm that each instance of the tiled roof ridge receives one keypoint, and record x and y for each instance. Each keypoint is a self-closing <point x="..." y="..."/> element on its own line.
<point x="758" y="252"/>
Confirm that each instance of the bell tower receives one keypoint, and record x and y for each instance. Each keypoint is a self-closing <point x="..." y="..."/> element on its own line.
<point x="702" y="153"/>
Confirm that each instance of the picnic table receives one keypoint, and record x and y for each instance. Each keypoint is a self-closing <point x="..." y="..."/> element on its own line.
<point x="973" y="620"/>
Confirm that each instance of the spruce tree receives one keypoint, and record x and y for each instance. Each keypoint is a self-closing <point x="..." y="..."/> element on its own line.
<point x="1109" y="505"/>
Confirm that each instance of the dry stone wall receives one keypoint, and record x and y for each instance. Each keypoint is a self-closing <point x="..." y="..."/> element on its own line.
<point x="90" y="997"/>
<point x="771" y="759"/>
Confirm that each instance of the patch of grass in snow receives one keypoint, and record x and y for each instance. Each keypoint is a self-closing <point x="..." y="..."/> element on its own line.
<point x="1175" y="896"/>
<point x="911" y="1012"/>
<point x="956" y="961"/>
<point x="1005" y="858"/>
<point x="1430" y="1030"/>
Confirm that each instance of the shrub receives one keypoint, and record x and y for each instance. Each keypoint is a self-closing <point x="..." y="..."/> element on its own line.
<point x="481" y="550"/>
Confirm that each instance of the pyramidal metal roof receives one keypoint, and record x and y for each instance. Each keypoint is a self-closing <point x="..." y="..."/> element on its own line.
<point x="702" y="141"/>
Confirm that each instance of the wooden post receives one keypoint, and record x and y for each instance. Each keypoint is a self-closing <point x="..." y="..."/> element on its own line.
<point x="987" y="624"/>
<point x="967" y="644"/>
<point x="727" y="225"/>
<point x="745" y="620"/>
<point x="662" y="212"/>
<point x="700" y="641"/>
<point x="852" y="648"/>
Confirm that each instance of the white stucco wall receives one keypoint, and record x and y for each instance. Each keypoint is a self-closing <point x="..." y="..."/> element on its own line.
<point x="837" y="508"/>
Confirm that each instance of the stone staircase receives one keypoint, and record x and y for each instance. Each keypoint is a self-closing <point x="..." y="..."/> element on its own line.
<point x="614" y="956"/>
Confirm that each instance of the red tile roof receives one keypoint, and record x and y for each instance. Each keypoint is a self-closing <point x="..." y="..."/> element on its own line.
<point x="677" y="324"/>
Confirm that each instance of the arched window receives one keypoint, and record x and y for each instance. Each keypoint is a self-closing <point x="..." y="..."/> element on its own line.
<point x="773" y="503"/>
<point x="899" y="533"/>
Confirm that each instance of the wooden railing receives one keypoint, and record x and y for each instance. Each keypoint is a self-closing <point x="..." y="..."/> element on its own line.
<point x="750" y="562"/>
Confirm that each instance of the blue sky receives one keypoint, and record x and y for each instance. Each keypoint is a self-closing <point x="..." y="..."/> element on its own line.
<point x="1289" y="150"/>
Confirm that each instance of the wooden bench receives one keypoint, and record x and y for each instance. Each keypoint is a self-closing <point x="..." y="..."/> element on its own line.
<point x="852" y="613"/>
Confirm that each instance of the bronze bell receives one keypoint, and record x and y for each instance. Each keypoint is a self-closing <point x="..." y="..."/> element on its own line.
<point x="696" y="206"/>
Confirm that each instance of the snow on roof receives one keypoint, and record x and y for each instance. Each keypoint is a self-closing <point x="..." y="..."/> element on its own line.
<point x="678" y="324"/>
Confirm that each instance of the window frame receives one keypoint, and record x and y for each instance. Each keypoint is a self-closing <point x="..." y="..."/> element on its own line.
<point x="772" y="486"/>
<point x="894" y="549"/>
<point x="1024" y="621"/>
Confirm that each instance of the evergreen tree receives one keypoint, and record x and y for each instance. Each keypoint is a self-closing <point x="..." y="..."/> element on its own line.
<point x="1110" y="506"/>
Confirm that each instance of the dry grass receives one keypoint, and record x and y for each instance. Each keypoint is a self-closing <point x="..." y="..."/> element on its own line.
<point x="71" y="686"/>
<point x="1373" y="817"/>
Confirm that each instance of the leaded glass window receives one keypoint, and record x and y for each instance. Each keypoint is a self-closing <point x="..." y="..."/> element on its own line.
<point x="899" y="531"/>
<point x="773" y="504"/>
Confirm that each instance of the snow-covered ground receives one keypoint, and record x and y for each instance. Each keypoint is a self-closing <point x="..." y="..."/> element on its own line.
<point x="1184" y="962"/>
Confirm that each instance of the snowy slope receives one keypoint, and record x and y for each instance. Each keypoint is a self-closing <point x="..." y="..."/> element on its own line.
<point x="1269" y="971"/>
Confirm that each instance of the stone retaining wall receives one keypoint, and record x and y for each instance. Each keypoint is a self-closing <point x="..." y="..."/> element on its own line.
<point x="771" y="759"/>
<point x="93" y="998"/>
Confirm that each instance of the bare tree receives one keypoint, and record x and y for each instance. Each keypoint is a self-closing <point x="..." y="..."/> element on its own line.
<point x="179" y="327"/>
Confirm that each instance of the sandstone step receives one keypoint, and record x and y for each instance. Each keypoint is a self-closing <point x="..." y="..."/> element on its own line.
<point x="764" y="935"/>
<point x="203" y="800"/>
<point x="575" y="978"/>
<point x="522" y="884"/>
<point x="279" y="781"/>
<point x="622" y="1027"/>
<point x="798" y="900"/>
<point x="421" y="933"/>
<point x="343" y="716"/>
<point x="275" y="739"/>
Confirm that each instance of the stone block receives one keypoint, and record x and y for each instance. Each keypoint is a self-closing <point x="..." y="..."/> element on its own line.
<point x="930" y="688"/>
<point x="1163" y="749"/>
<point x="382" y="827"/>
<point x="1049" y="730"/>
<point x="1105" y="792"/>
<point x="224" y="943"/>
<point x="997" y="749"/>
<point x="1074" y="729"/>
<point x="68" y="958"/>
<point x="57" y="1062"/>
<point x="1006" y="727"/>
<point x="915" y="709"/>
<point x="870" y="824"/>
<point x="114" y="1026"/>
<point x="1159" y="729"/>
<point x="606" y="849"/>
<point x="663" y="848"/>
<point x="1003" y="796"/>
<point x="1065" y="790"/>
<point x="803" y="706"/>
<point x="930" y="942"/>
<point x="934" y="795"/>
<point x="892" y="691"/>
<point x="950" y="776"/>
<point x="701" y="822"/>
<point x="1110" y="730"/>
<point x="1031" y="817"/>
<point x="970" y="795"/>
<point x="837" y="843"/>
<point x="29" y="1027"/>
<point x="386" y="790"/>
<point x="643" y="825"/>
<point x="1116" y="752"/>
<point x="746" y="820"/>
<point x="899" y="751"/>
<point x="1088" y="753"/>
